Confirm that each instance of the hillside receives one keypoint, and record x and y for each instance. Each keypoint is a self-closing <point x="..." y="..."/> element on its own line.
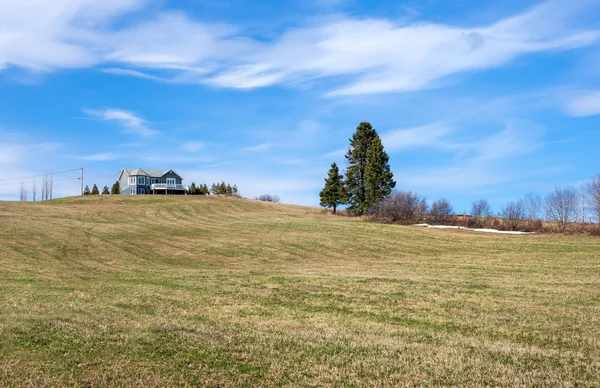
<point x="160" y="291"/>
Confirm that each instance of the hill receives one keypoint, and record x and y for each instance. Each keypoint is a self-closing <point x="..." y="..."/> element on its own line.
<point x="159" y="291"/>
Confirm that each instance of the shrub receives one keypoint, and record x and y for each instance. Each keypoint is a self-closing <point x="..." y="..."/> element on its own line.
<point x="267" y="198"/>
<point x="400" y="207"/>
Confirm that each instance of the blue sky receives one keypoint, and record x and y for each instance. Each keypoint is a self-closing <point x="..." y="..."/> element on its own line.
<point x="472" y="99"/>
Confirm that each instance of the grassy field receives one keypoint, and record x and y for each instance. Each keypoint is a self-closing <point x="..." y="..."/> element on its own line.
<point x="163" y="291"/>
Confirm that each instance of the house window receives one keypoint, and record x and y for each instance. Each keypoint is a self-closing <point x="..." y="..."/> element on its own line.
<point x="155" y="180"/>
<point x="131" y="180"/>
<point x="132" y="191"/>
<point x="141" y="180"/>
<point x="171" y="182"/>
<point x="141" y="190"/>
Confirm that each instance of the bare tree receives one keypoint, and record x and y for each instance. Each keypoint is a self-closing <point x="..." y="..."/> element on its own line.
<point x="533" y="206"/>
<point x="480" y="210"/>
<point x="561" y="206"/>
<point x="34" y="188"/>
<point x="514" y="214"/>
<point x="441" y="211"/>
<point x="23" y="192"/>
<point x="44" y="187"/>
<point x="50" y="185"/>
<point x="592" y="190"/>
<point x="404" y="207"/>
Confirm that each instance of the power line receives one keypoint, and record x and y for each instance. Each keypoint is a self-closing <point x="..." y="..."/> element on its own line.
<point x="54" y="180"/>
<point x="37" y="176"/>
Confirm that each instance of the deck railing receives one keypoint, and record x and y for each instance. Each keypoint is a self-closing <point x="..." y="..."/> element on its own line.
<point x="165" y="186"/>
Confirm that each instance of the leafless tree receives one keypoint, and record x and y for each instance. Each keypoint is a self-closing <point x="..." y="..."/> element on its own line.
<point x="533" y="206"/>
<point x="34" y="188"/>
<point x="441" y="211"/>
<point x="23" y="192"/>
<point x="592" y="190"/>
<point x="514" y="214"/>
<point x="480" y="210"/>
<point x="268" y="198"/>
<point x="561" y="206"/>
<point x="404" y="207"/>
<point x="44" y="187"/>
<point x="50" y="185"/>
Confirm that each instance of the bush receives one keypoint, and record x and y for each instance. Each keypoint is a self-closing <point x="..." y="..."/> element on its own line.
<point x="267" y="198"/>
<point x="401" y="208"/>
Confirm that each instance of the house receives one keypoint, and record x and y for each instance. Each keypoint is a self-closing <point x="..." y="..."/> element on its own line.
<point x="150" y="181"/>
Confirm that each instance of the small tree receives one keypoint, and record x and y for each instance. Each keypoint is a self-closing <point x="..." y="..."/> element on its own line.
<point x="193" y="190"/>
<point x="333" y="194"/>
<point x="23" y="192"/>
<point x="592" y="189"/>
<point x="480" y="210"/>
<point x="533" y="205"/>
<point x="95" y="190"/>
<point x="86" y="191"/>
<point x="441" y="211"/>
<point x="105" y="191"/>
<point x="561" y="206"/>
<point x="116" y="188"/>
<point x="513" y="214"/>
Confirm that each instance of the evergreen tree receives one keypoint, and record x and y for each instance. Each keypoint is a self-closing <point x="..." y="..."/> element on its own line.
<point x="235" y="189"/>
<point x="193" y="189"/>
<point x="379" y="180"/>
<point x="116" y="188"/>
<point x="214" y="189"/>
<point x="204" y="189"/>
<point x="105" y="190"/>
<point x="95" y="190"/>
<point x="357" y="163"/>
<point x="222" y="188"/>
<point x="333" y="194"/>
<point x="86" y="191"/>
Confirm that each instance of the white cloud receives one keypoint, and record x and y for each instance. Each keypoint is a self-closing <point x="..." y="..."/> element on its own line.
<point x="100" y="157"/>
<point x="130" y="122"/>
<point x="360" y="55"/>
<point x="193" y="146"/>
<point x="259" y="147"/>
<point x="585" y="104"/>
<point x="427" y="135"/>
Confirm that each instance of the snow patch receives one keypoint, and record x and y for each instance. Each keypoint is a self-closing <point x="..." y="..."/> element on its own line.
<point x="471" y="229"/>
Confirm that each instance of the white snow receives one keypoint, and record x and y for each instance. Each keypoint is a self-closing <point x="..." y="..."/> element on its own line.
<point x="471" y="229"/>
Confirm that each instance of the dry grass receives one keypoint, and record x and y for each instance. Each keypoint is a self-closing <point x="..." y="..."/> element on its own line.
<point x="155" y="291"/>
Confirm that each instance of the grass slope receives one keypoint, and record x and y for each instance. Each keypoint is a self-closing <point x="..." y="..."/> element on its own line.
<point x="162" y="291"/>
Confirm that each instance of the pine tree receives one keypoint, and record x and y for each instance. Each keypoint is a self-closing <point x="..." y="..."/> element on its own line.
<point x="368" y="176"/>
<point x="95" y="190"/>
<point x="193" y="190"/>
<point x="105" y="190"/>
<point x="379" y="180"/>
<point x="357" y="163"/>
<point x="116" y="188"/>
<point x="86" y="191"/>
<point x="333" y="193"/>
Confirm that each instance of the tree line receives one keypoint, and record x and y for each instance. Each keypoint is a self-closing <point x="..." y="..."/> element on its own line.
<point x="562" y="207"/>
<point x="367" y="188"/>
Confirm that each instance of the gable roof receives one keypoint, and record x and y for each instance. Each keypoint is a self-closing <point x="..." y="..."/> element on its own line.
<point x="153" y="173"/>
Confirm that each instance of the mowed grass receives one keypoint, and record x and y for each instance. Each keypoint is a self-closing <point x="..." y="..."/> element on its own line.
<point x="164" y="291"/>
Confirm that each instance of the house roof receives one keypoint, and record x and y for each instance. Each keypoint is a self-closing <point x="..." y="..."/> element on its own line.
<point x="153" y="173"/>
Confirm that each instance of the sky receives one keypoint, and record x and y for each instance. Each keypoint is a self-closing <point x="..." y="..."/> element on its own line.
<point x="473" y="100"/>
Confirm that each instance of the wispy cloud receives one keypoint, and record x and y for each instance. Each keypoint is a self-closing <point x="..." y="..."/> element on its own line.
<point x="130" y="122"/>
<point x="584" y="104"/>
<point x="423" y="136"/>
<point x="357" y="55"/>
<point x="100" y="157"/>
<point x="258" y="147"/>
<point x="193" y="146"/>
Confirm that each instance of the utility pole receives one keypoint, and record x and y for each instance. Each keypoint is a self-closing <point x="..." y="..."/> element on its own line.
<point x="81" y="180"/>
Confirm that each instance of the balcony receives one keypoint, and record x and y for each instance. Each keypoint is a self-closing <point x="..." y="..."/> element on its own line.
<point x="165" y="186"/>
